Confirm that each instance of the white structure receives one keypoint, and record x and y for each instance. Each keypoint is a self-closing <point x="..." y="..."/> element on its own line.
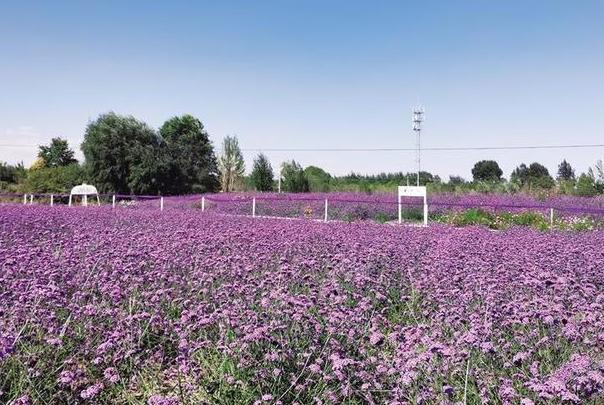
<point x="412" y="191"/>
<point x="84" y="190"/>
<point x="418" y="118"/>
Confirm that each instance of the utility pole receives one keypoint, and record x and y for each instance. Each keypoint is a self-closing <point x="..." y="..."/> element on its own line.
<point x="418" y="118"/>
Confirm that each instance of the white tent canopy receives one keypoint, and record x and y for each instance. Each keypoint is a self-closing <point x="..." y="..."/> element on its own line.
<point x="84" y="190"/>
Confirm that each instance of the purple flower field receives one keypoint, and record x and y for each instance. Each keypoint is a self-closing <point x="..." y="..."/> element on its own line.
<point x="355" y="206"/>
<point x="183" y="307"/>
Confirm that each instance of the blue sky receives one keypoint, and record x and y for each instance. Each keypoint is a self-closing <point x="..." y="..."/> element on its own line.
<point x="314" y="74"/>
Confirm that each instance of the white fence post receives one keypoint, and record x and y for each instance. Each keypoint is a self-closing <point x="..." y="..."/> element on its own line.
<point x="551" y="217"/>
<point x="113" y="201"/>
<point x="52" y="200"/>
<point x="400" y="211"/>
<point x="425" y="211"/>
<point x="325" y="218"/>
<point x="161" y="203"/>
<point x="203" y="204"/>
<point x="253" y="207"/>
<point x="24" y="199"/>
<point x="31" y="199"/>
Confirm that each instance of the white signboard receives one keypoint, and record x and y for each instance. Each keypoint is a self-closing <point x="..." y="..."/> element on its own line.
<point x="412" y="191"/>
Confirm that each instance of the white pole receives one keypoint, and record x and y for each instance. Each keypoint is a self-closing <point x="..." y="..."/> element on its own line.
<point x="98" y="200"/>
<point x="425" y="212"/>
<point x="551" y="217"/>
<point x="31" y="199"/>
<point x="85" y="201"/>
<point x="279" y="182"/>
<point x="400" y="211"/>
<point x="203" y="204"/>
<point x="24" y="199"/>
<point x="113" y="201"/>
<point x="161" y="203"/>
<point x="52" y="200"/>
<point x="254" y="207"/>
<point x="325" y="219"/>
<point x="70" y="200"/>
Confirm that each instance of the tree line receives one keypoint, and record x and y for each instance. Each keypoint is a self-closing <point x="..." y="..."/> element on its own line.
<point x="126" y="156"/>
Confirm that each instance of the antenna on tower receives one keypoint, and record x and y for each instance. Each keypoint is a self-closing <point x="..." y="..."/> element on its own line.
<point x="418" y="118"/>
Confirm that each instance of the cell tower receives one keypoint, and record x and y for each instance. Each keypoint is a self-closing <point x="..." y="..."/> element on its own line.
<point x="418" y="118"/>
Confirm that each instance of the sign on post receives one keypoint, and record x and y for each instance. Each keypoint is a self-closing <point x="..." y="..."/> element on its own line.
<point x="412" y="191"/>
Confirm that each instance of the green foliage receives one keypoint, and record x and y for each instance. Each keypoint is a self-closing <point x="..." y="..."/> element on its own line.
<point x="474" y="216"/>
<point x="318" y="179"/>
<point x="294" y="178"/>
<point x="565" y="172"/>
<point x="116" y="149"/>
<point x="262" y="177"/>
<point x="10" y="176"/>
<point x="189" y="164"/>
<point x="486" y="170"/>
<point x="534" y="176"/>
<point x="57" y="153"/>
<point x="232" y="165"/>
<point x="586" y="185"/>
<point x="58" y="179"/>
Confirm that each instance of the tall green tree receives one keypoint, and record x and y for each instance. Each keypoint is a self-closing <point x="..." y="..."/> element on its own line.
<point x="11" y="175"/>
<point x="231" y="164"/>
<point x="190" y="165"/>
<point x="57" y="179"/>
<point x="318" y="179"/>
<point x="294" y="178"/>
<point x="533" y="176"/>
<point x="116" y="148"/>
<point x="487" y="170"/>
<point x="262" y="176"/>
<point x="586" y="185"/>
<point x="565" y="171"/>
<point x="57" y="153"/>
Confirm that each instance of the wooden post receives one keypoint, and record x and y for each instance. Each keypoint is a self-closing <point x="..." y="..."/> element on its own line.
<point x="254" y="207"/>
<point x="113" y="201"/>
<point x="24" y="199"/>
<point x="325" y="217"/>
<point x="161" y="203"/>
<point x="203" y="204"/>
<point x="52" y="200"/>
<point x="31" y="199"/>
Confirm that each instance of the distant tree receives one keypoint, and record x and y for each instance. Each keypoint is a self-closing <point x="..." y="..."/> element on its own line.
<point x="534" y="176"/>
<point x="456" y="180"/>
<point x="318" y="179"/>
<point x="57" y="153"/>
<point x="190" y="164"/>
<point x="586" y="185"/>
<point x="114" y="148"/>
<point x="231" y="164"/>
<point x="565" y="171"/>
<point x="487" y="170"/>
<point x="38" y="164"/>
<point x="599" y="172"/>
<point x="11" y="175"/>
<point x="294" y="178"/>
<point x="57" y="179"/>
<point x="262" y="177"/>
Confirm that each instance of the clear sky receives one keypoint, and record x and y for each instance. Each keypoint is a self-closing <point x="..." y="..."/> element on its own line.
<point x="314" y="74"/>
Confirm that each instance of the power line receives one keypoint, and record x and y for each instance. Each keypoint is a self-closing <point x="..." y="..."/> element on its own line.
<point x="454" y="148"/>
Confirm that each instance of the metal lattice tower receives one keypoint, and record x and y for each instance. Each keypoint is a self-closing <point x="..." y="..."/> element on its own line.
<point x="418" y="118"/>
